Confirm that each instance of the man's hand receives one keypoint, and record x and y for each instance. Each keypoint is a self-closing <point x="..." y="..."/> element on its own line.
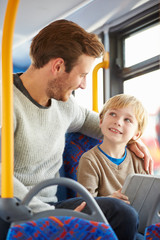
<point x="117" y="194"/>
<point x="142" y="151"/>
<point x="80" y="207"/>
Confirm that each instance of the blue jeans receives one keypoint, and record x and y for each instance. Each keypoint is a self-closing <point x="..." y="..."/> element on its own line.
<point x="121" y="216"/>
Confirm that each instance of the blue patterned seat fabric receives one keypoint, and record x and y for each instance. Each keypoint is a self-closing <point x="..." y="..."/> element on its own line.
<point x="76" y="145"/>
<point x="152" y="232"/>
<point x="61" y="228"/>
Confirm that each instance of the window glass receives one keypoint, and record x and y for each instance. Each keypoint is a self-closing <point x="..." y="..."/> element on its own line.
<point x="142" y="45"/>
<point x="146" y="89"/>
<point x="84" y="96"/>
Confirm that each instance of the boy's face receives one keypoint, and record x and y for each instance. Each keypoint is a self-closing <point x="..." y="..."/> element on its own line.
<point x="120" y="125"/>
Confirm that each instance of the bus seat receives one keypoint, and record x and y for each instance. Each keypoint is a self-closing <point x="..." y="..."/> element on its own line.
<point x="61" y="228"/>
<point x="76" y="144"/>
<point x="152" y="232"/>
<point x="21" y="219"/>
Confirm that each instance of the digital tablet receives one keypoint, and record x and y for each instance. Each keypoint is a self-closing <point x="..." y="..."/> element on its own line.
<point x="143" y="192"/>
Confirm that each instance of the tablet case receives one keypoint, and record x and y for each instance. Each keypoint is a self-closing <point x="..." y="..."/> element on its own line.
<point x="143" y="192"/>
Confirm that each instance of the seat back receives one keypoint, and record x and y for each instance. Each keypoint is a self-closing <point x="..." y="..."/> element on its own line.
<point x="51" y="228"/>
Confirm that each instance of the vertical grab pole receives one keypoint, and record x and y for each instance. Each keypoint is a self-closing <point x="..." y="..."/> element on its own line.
<point x="104" y="64"/>
<point x="7" y="101"/>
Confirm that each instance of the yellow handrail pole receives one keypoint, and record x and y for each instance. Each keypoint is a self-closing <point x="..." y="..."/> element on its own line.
<point x="104" y="64"/>
<point x="7" y="101"/>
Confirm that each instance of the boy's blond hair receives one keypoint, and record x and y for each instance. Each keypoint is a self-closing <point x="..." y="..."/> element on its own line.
<point x="122" y="101"/>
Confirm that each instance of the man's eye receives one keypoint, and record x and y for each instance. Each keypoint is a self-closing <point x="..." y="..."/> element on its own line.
<point x="83" y="75"/>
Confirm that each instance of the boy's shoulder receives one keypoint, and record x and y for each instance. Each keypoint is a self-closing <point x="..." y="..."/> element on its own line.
<point x="92" y="150"/>
<point x="91" y="153"/>
<point x="138" y="163"/>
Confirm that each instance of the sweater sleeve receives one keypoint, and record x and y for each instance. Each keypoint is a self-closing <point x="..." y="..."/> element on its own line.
<point x="36" y="205"/>
<point x="20" y="192"/>
<point x="87" y="175"/>
<point x="138" y="164"/>
<point x="84" y="121"/>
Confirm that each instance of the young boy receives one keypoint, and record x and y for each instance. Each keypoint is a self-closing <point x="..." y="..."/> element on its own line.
<point x="103" y="169"/>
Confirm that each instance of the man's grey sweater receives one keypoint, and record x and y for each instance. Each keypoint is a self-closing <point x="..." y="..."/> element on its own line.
<point x="39" y="139"/>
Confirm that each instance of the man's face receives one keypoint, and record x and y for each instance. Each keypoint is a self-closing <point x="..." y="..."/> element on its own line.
<point x="62" y="87"/>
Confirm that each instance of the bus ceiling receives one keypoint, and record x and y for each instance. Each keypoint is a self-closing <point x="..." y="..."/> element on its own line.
<point x="33" y="15"/>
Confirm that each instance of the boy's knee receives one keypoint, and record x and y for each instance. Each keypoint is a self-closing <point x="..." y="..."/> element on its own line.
<point x="130" y="215"/>
<point x="122" y="217"/>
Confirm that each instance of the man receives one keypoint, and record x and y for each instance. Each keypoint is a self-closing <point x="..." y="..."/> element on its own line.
<point x="44" y="110"/>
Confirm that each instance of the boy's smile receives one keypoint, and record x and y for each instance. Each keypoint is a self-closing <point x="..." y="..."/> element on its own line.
<point x="115" y="130"/>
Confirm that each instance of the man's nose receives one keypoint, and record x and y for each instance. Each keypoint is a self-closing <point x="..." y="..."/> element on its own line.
<point x="83" y="83"/>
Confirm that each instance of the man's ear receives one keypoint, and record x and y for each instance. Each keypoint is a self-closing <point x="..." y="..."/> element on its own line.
<point x="57" y="65"/>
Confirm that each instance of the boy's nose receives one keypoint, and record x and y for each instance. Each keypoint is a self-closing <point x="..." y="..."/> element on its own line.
<point x="118" y="122"/>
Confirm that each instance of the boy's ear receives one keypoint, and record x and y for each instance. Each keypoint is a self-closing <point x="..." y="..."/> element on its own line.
<point x="100" y="121"/>
<point x="136" y="136"/>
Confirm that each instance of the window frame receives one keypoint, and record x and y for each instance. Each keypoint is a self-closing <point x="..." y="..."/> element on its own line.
<point x="117" y="34"/>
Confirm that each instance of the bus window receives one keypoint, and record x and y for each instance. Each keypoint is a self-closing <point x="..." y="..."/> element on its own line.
<point x="142" y="45"/>
<point x="146" y="88"/>
<point x="135" y="68"/>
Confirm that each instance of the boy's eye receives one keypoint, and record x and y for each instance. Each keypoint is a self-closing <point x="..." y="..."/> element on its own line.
<point x="112" y="114"/>
<point x="127" y="120"/>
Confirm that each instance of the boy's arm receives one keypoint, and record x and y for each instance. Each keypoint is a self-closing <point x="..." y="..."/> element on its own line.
<point x="141" y="151"/>
<point x="138" y="164"/>
<point x="87" y="175"/>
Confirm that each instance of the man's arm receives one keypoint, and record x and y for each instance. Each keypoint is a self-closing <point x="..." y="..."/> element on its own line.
<point x="36" y="205"/>
<point x="142" y="151"/>
<point x="20" y="192"/>
<point x="84" y="120"/>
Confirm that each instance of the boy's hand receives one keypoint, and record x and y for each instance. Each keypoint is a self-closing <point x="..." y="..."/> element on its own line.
<point x="142" y="151"/>
<point x="117" y="194"/>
